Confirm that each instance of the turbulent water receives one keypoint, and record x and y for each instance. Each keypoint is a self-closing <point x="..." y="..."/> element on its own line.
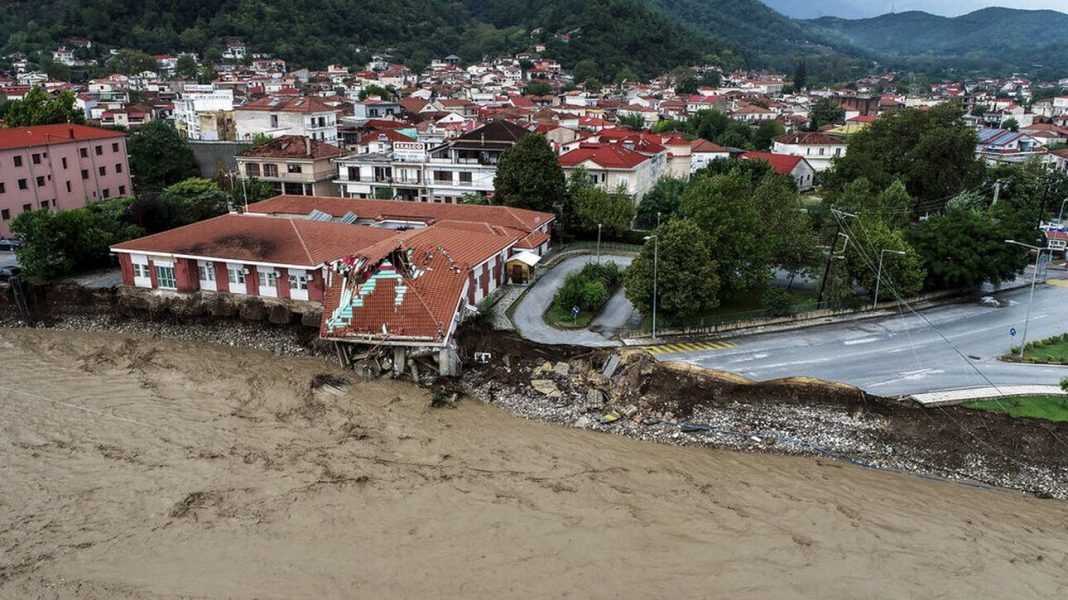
<point x="141" y="468"/>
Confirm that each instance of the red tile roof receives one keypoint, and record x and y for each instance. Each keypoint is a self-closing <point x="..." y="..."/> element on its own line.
<point x="808" y="138"/>
<point x="609" y="156"/>
<point x="505" y="216"/>
<point x="408" y="287"/>
<point x="782" y="164"/>
<point x="306" y="104"/>
<point x="703" y="145"/>
<point x="62" y="133"/>
<point x="248" y="238"/>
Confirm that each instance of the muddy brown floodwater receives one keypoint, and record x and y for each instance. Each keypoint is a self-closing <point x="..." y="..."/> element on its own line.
<point x="147" y="468"/>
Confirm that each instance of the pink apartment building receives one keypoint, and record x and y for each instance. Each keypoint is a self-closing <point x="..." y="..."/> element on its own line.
<point x="58" y="167"/>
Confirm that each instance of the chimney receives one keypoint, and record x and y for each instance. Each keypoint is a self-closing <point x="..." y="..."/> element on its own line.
<point x="307" y="145"/>
<point x="70" y="132"/>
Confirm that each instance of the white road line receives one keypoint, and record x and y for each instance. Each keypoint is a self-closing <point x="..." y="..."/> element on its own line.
<point x="861" y="341"/>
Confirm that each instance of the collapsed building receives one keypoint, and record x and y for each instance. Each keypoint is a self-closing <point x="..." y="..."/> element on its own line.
<point x="386" y="275"/>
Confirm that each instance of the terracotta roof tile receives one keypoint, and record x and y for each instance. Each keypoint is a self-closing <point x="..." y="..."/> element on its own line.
<point x="62" y="133"/>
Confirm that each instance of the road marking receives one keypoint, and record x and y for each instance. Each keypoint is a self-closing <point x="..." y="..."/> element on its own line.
<point x="1058" y="282"/>
<point x="684" y="347"/>
<point x="861" y="341"/>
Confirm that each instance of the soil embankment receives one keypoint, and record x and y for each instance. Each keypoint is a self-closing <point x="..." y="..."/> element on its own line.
<point x="152" y="468"/>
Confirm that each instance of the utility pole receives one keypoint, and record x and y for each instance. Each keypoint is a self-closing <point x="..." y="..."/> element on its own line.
<point x="1031" y="295"/>
<point x="827" y="269"/>
<point x="879" y="276"/>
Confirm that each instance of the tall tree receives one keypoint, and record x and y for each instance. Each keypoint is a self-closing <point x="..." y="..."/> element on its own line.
<point x="663" y="200"/>
<point x="186" y="67"/>
<point x="529" y="176"/>
<point x="824" y="112"/>
<point x="764" y="133"/>
<point x="800" y="75"/>
<point x="902" y="267"/>
<point x="195" y="199"/>
<point x="686" y="279"/>
<point x="159" y="157"/>
<point x="613" y="212"/>
<point x="38" y="108"/>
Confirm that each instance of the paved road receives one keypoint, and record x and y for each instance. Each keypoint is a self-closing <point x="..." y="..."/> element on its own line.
<point x="528" y="314"/>
<point x="903" y="354"/>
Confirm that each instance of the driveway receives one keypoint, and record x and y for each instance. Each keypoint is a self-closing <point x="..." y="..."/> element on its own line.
<point x="528" y="314"/>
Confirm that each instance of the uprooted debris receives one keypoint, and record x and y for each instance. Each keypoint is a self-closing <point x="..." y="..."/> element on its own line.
<point x="631" y="393"/>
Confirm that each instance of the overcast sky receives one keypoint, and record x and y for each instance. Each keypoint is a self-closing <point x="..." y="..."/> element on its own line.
<point x="852" y="9"/>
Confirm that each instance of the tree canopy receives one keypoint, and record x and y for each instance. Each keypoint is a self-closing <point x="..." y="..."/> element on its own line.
<point x="686" y="278"/>
<point x="159" y="157"/>
<point x="529" y="176"/>
<point x="37" y="107"/>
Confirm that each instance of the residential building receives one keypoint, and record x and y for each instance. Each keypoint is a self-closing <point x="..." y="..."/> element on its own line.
<point x="703" y="152"/>
<point x="293" y="164"/>
<point x="819" y="149"/>
<point x="616" y="167"/>
<point x="797" y="167"/>
<point x="1003" y="145"/>
<point x="195" y="102"/>
<point x="59" y="167"/>
<point x="278" y="116"/>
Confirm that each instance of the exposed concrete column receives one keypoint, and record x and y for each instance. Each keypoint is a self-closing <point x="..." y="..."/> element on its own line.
<point x="399" y="360"/>
<point x="443" y="362"/>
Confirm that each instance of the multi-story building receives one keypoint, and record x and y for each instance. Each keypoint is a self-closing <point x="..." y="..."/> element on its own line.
<point x="294" y="165"/>
<point x="195" y="102"/>
<point x="59" y="167"/>
<point x="278" y="116"/>
<point x="617" y="167"/>
<point x="819" y="149"/>
<point x="417" y="171"/>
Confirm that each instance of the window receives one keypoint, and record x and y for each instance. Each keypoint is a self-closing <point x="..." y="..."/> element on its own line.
<point x="235" y="276"/>
<point x="26" y="207"/>
<point x="140" y="270"/>
<point x="268" y="279"/>
<point x="99" y="150"/>
<point x="354" y="174"/>
<point x="43" y="203"/>
<point x="115" y="147"/>
<point x="35" y="159"/>
<point x="252" y="169"/>
<point x="83" y="152"/>
<point x="103" y="171"/>
<point x="5" y="214"/>
<point x="292" y="168"/>
<point x="443" y="176"/>
<point x="40" y="181"/>
<point x="85" y="173"/>
<point x="2" y="188"/>
<point x="106" y="193"/>
<point x="298" y="282"/>
<point x="118" y="167"/>
<point x="270" y="170"/>
<point x="274" y="121"/>
<point x="165" y="278"/>
<point x="63" y="161"/>
<point x="23" y="185"/>
<point x="68" y="187"/>
<point x="207" y="271"/>
<point x="18" y="161"/>
<point x="465" y="179"/>
<point x="122" y="189"/>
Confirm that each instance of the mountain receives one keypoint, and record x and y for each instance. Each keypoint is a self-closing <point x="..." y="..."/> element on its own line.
<point x="844" y="9"/>
<point x="992" y="39"/>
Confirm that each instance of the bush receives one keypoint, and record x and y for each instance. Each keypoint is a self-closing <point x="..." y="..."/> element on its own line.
<point x="777" y="302"/>
<point x="594" y="296"/>
<point x="590" y="287"/>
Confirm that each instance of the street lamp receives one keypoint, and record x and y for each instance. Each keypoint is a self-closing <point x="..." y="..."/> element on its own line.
<point x="879" y="276"/>
<point x="656" y="249"/>
<point x="1031" y="296"/>
<point x="598" y="242"/>
<point x="1060" y="215"/>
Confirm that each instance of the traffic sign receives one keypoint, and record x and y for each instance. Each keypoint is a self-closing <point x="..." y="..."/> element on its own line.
<point x="1012" y="331"/>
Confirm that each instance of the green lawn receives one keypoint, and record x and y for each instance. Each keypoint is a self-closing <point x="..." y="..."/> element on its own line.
<point x="1050" y="350"/>
<point x="558" y="317"/>
<point x="1050" y="408"/>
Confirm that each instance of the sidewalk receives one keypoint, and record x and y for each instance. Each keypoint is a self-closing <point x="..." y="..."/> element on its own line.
<point x="953" y="397"/>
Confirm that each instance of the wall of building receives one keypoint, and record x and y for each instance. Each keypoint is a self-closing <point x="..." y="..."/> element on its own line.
<point x="188" y="277"/>
<point x="62" y="178"/>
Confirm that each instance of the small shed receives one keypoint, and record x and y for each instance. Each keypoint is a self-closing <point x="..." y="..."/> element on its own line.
<point x="521" y="266"/>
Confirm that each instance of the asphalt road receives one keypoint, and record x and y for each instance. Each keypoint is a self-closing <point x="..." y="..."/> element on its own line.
<point x="528" y="314"/>
<point x="904" y="354"/>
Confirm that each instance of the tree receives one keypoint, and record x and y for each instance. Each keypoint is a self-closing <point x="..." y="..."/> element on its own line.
<point x="662" y="199"/>
<point x="632" y="122"/>
<point x="626" y="75"/>
<point x="613" y="212"/>
<point x="931" y="151"/>
<point x="902" y="274"/>
<point x="793" y="244"/>
<point x="825" y="111"/>
<point x="961" y="249"/>
<point x="707" y="124"/>
<point x="159" y="156"/>
<point x="537" y="88"/>
<point x="733" y="228"/>
<point x="59" y="243"/>
<point x="529" y="176"/>
<point x="186" y="67"/>
<point x="687" y="86"/>
<point x="38" y="108"/>
<point x="800" y="76"/>
<point x="375" y="90"/>
<point x="584" y="70"/>
<point x="1011" y="124"/>
<point x="764" y="133"/>
<point x="686" y="277"/>
<point x="130" y="62"/>
<point x="195" y="199"/>
<point x="736" y="135"/>
<point x="594" y="85"/>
